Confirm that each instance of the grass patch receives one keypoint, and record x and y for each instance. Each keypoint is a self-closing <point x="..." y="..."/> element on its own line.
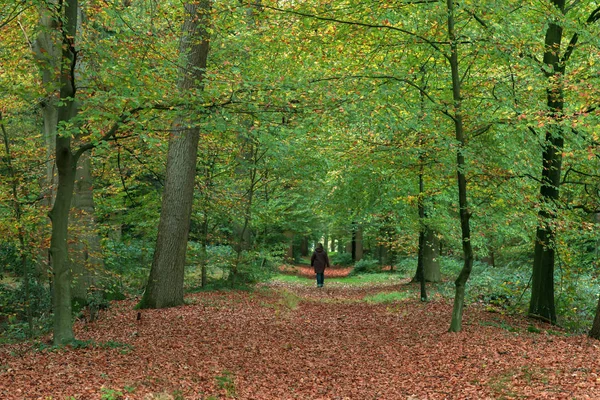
<point x="86" y="344"/>
<point x="293" y="279"/>
<point x="357" y="280"/>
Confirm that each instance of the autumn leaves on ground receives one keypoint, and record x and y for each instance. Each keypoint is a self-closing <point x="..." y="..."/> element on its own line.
<point x="295" y="341"/>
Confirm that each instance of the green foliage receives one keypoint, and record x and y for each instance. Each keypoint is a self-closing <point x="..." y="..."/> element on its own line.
<point x="366" y="266"/>
<point x="131" y="262"/>
<point x="343" y="259"/>
<point x="111" y="394"/>
<point x="13" y="313"/>
<point x="9" y="258"/>
<point x="86" y="344"/>
<point x="253" y="267"/>
<point x="226" y="382"/>
<point x="406" y="266"/>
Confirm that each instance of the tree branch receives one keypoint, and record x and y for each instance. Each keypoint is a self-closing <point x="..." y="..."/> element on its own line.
<point x="111" y="133"/>
<point x="594" y="16"/>
<point x="358" y="23"/>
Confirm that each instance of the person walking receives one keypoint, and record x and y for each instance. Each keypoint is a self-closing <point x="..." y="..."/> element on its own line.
<point x="319" y="261"/>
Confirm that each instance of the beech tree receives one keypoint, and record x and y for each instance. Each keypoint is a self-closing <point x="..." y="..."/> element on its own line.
<point x="554" y="65"/>
<point x="165" y="284"/>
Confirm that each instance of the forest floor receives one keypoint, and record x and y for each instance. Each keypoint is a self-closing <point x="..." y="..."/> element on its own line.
<point x="291" y="340"/>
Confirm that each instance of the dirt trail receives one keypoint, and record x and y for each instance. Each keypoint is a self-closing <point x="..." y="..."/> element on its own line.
<point x="287" y="341"/>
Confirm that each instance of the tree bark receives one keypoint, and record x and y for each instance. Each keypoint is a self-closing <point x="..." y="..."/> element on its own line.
<point x="66" y="163"/>
<point x="358" y="243"/>
<point x="595" y="331"/>
<point x="420" y="259"/>
<point x="165" y="284"/>
<point x="431" y="265"/>
<point x="84" y="248"/>
<point x="47" y="50"/>
<point x="465" y="215"/>
<point x="541" y="305"/>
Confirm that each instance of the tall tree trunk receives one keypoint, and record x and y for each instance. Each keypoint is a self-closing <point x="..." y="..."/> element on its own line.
<point x="84" y="246"/>
<point x="47" y="50"/>
<point x="541" y="305"/>
<point x="165" y="284"/>
<point x="66" y="163"/>
<point x="465" y="215"/>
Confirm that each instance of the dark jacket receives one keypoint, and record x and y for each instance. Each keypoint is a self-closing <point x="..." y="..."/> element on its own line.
<point x="319" y="260"/>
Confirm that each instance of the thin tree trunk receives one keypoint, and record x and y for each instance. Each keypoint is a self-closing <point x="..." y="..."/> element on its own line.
<point x="420" y="259"/>
<point x="465" y="215"/>
<point x="165" y="284"/>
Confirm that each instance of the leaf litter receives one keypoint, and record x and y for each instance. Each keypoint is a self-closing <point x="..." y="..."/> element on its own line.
<point x="292" y="341"/>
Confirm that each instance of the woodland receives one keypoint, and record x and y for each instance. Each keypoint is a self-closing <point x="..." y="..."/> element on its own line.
<point x="168" y="168"/>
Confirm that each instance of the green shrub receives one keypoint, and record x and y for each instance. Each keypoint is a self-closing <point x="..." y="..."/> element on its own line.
<point x="9" y="257"/>
<point x="255" y="266"/>
<point x="406" y="266"/>
<point x="366" y="266"/>
<point x="13" y="300"/>
<point x="13" y="310"/>
<point x="131" y="261"/>
<point x="343" y="259"/>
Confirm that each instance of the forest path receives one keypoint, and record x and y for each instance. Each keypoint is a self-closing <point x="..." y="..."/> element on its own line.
<point x="296" y="341"/>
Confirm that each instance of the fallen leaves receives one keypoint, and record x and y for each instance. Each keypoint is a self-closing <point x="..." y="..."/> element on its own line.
<point x="328" y="345"/>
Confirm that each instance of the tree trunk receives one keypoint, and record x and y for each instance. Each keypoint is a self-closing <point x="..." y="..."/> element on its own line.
<point x="463" y="277"/>
<point x="289" y="257"/>
<point x="541" y="305"/>
<point x="358" y="243"/>
<point x="304" y="247"/>
<point x="165" y="284"/>
<point x="61" y="272"/>
<point x="420" y="259"/>
<point x="595" y="331"/>
<point x="47" y="50"/>
<point x="431" y="264"/>
<point x="84" y="246"/>
<point x="66" y="163"/>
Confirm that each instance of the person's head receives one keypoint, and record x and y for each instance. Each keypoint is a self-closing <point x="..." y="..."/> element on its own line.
<point x="320" y="246"/>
